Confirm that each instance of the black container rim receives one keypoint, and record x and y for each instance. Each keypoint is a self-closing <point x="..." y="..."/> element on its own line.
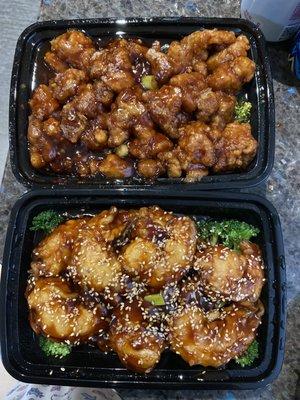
<point x="279" y="265"/>
<point x="227" y="181"/>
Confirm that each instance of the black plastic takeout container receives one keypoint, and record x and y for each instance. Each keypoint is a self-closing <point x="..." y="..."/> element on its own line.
<point x="29" y="70"/>
<point x="87" y="366"/>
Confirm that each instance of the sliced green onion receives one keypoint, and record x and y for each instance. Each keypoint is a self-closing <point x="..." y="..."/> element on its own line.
<point x="149" y="82"/>
<point x="156" y="299"/>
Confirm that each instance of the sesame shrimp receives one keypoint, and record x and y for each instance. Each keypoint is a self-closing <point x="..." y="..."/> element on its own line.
<point x="58" y="312"/>
<point x="162" y="247"/>
<point x="229" y="275"/>
<point x="214" y="338"/>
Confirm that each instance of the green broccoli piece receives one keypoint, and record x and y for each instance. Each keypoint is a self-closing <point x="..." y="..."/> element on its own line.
<point x="54" y="349"/>
<point x="230" y="232"/>
<point x="249" y="356"/>
<point x="46" y="221"/>
<point x="242" y="111"/>
<point x="149" y="82"/>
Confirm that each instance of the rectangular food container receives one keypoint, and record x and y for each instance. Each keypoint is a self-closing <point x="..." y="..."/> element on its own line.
<point x="29" y="70"/>
<point x="87" y="366"/>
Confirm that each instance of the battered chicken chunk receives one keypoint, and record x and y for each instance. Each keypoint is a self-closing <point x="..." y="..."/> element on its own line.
<point x="74" y="48"/>
<point x="52" y="255"/>
<point x="136" y="340"/>
<point x="230" y="76"/>
<point x="213" y="339"/>
<point x="55" y="62"/>
<point x="113" y="66"/>
<point x="116" y="167"/>
<point x="229" y="275"/>
<point x="164" y="106"/>
<point x="96" y="135"/>
<point x="66" y="84"/>
<point x="237" y="49"/>
<point x="73" y="123"/>
<point x="103" y="93"/>
<point x="57" y="312"/>
<point x="43" y="103"/>
<point x="191" y="84"/>
<point x="236" y="148"/>
<point x="160" y="65"/>
<point x="162" y="247"/>
<point x="149" y="168"/>
<point x="126" y="112"/>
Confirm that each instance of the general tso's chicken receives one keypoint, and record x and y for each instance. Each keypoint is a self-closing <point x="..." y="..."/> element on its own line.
<point x="55" y="62"/>
<point x="162" y="247"/>
<point x="113" y="66"/>
<point x="136" y="339"/>
<point x="230" y="76"/>
<point x="67" y="83"/>
<point x="180" y="56"/>
<point x="73" y="123"/>
<point x="160" y="65"/>
<point x="190" y="84"/>
<point x="72" y="47"/>
<point x="52" y="255"/>
<point x="194" y="154"/>
<point x="237" y="49"/>
<point x="229" y="275"/>
<point x="236" y="148"/>
<point x="150" y="168"/>
<point x="148" y="143"/>
<point x="96" y="135"/>
<point x="164" y="106"/>
<point x="42" y="102"/>
<point x="126" y="112"/>
<point x="57" y="312"/>
<point x="114" y="166"/>
<point x="103" y="93"/>
<point x="213" y="339"/>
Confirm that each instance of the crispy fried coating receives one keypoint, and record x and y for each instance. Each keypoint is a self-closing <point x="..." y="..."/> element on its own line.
<point x="74" y="48"/>
<point x="236" y="148"/>
<point x="135" y="339"/>
<point x="66" y="84"/>
<point x="150" y="168"/>
<point x="213" y="339"/>
<point x="162" y="247"/>
<point x="160" y="65"/>
<point x="42" y="102"/>
<point x="231" y="75"/>
<point x="55" y="62"/>
<point x="237" y="49"/>
<point x="114" y="166"/>
<point x="57" y="312"/>
<point x="229" y="275"/>
<point x="53" y="253"/>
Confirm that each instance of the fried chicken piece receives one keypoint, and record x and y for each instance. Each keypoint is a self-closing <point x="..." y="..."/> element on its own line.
<point x="116" y="167"/>
<point x="74" y="48"/>
<point x="113" y="66"/>
<point x="136" y="339"/>
<point x="229" y="275"/>
<point x="161" y="249"/>
<point x="126" y="112"/>
<point x="213" y="339"/>
<point x="53" y="253"/>
<point x="86" y="102"/>
<point x="51" y="127"/>
<point x="57" y="312"/>
<point x="103" y="93"/>
<point x="160" y="65"/>
<point x="237" y="49"/>
<point x="73" y="123"/>
<point x="55" y="62"/>
<point x="164" y="106"/>
<point x="180" y="56"/>
<point x="230" y="76"/>
<point x="236" y="148"/>
<point x="67" y="83"/>
<point x="190" y="84"/>
<point x="150" y="168"/>
<point x="96" y="135"/>
<point x="200" y="66"/>
<point x="200" y="41"/>
<point x="42" y="102"/>
<point x="149" y="143"/>
<point x="42" y="147"/>
<point x="216" y="108"/>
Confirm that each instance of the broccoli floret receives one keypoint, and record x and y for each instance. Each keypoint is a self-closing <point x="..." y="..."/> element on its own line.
<point x="243" y="111"/>
<point x="46" y="221"/>
<point x="230" y="233"/>
<point x="249" y="356"/>
<point x="149" y="82"/>
<point x="54" y="349"/>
